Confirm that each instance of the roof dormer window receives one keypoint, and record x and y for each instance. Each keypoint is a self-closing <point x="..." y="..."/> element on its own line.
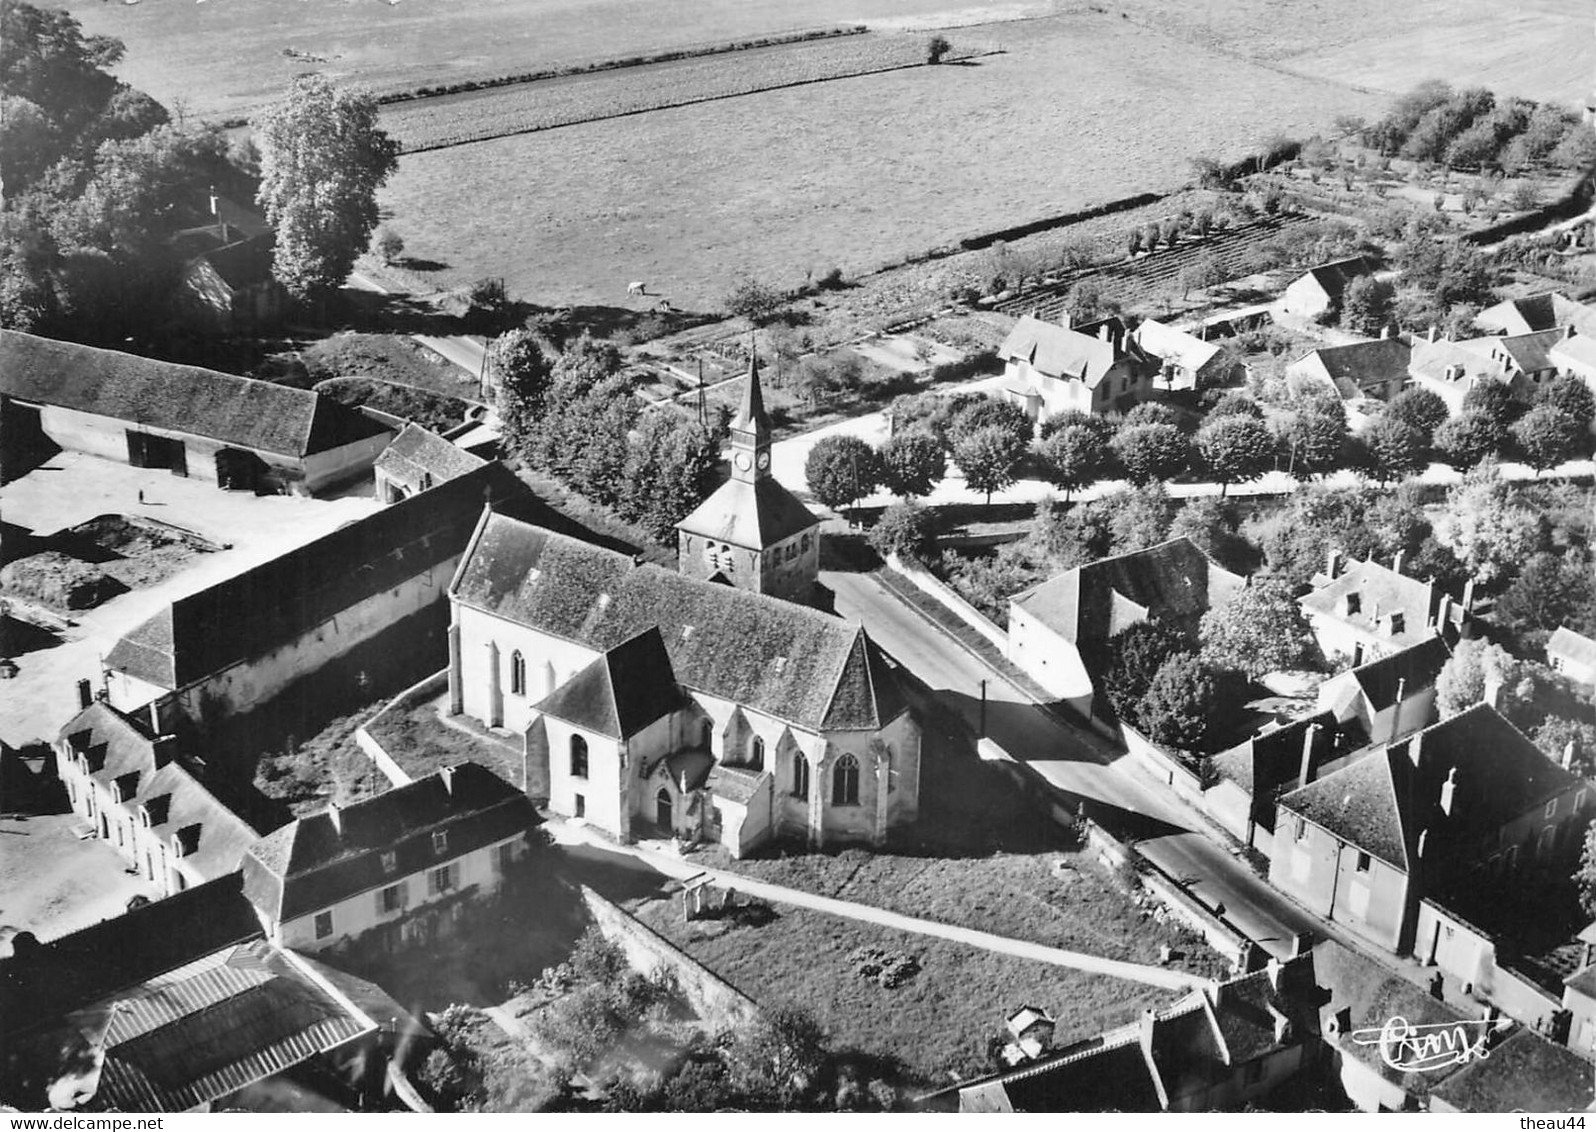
<point x="440" y="841"/>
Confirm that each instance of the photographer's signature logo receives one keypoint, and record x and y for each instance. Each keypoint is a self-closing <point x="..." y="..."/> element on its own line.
<point x="1420" y="1049"/>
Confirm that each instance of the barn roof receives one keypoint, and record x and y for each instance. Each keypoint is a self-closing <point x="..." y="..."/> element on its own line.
<point x="416" y="452"/>
<point x="240" y="411"/>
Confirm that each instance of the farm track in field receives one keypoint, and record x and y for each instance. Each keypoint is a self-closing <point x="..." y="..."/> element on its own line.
<point x="1228" y="249"/>
<point x="440" y="122"/>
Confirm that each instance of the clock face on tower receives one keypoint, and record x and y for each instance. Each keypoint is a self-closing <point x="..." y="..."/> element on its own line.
<point x="742" y="460"/>
<point x="763" y="460"/>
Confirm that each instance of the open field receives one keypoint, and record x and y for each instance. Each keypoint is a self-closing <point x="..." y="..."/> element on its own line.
<point x="1081" y="109"/>
<point x="526" y="107"/>
<point x="938" y="1021"/>
<point x="226" y="57"/>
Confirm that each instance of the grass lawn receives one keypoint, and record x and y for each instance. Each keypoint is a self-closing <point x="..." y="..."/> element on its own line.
<point x="420" y="742"/>
<point x="936" y="1024"/>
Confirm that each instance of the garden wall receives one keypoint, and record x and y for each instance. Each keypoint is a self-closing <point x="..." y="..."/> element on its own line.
<point x="1169" y="770"/>
<point x="421" y="690"/>
<point x="714" y="999"/>
<point x="955" y="604"/>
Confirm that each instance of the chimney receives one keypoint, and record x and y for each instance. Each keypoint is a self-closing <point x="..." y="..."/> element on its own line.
<point x="1468" y="596"/>
<point x="446" y="777"/>
<point x="1149" y="1021"/>
<point x="1414" y="747"/>
<point x="1301" y="944"/>
<point x="1449" y="791"/>
<point x="1106" y="333"/>
<point x="1273" y="969"/>
<point x="1305" y="767"/>
<point x="1443" y="612"/>
<point x="1064" y="318"/>
<point x="1396" y="563"/>
<point x="1396" y="708"/>
<point x="1568" y="332"/>
<point x="165" y="750"/>
<point x="1332" y="565"/>
<point x="1492" y="695"/>
<point x="1282" y="1024"/>
<point x="1386" y="331"/>
<point x="1570" y="749"/>
<point x="336" y="816"/>
<point x="1431" y="335"/>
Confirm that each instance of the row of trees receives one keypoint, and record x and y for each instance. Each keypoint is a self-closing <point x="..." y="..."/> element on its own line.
<point x="1471" y="129"/>
<point x="573" y="414"/>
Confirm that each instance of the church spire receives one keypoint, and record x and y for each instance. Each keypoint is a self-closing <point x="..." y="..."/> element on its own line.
<point x="750" y="429"/>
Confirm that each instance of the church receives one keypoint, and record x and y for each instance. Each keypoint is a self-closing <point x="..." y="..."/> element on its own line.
<point x="705" y="703"/>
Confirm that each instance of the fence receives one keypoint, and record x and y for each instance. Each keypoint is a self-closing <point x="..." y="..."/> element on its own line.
<point x="714" y="999"/>
<point x="963" y="610"/>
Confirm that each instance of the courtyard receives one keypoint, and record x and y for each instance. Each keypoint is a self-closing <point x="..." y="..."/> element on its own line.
<point x="52" y="882"/>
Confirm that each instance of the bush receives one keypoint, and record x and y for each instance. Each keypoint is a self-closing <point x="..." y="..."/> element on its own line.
<point x="937" y="49"/>
<point x="390" y="245"/>
<point x="905" y="529"/>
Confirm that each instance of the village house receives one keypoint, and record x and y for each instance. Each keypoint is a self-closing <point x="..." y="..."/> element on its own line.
<point x="417" y="460"/>
<point x="1186" y="362"/>
<point x="390" y="869"/>
<point x="1389" y="696"/>
<point x="1376" y="369"/>
<point x="1217" y="1047"/>
<point x="1249" y="778"/>
<point x="1364" y="610"/>
<point x="1463" y="805"/>
<point x="227" y="286"/>
<point x="1318" y="292"/>
<point x="752" y="533"/>
<point x="235" y="432"/>
<point x="1575" y="355"/>
<point x="653" y="703"/>
<point x="288" y="617"/>
<point x="139" y="794"/>
<point x="172" y="1007"/>
<point x="1573" y="655"/>
<point x="1524" y="1073"/>
<point x="1051" y="369"/>
<point x="1579" y="997"/>
<point x="1449" y="371"/>
<point x="1059" y="629"/>
<point x="1549" y="310"/>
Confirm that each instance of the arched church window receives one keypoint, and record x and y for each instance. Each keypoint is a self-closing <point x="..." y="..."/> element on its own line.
<point x="800" y="775"/>
<point x="708" y="733"/>
<point x="756" y="753"/>
<point x="578" y="757"/>
<point x="845" y="782"/>
<point x="517" y="674"/>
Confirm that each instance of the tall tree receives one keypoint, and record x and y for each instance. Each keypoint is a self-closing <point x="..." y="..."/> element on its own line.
<point x="1394" y="449"/>
<point x="911" y="463"/>
<point x="1236" y="449"/>
<point x="1180" y="703"/>
<point x="1421" y="408"/>
<point x="1368" y="305"/>
<point x="840" y="470"/>
<point x="990" y="458"/>
<point x="1585" y="875"/>
<point x="671" y="467"/>
<point x="1150" y="452"/>
<point x="1546" y="436"/>
<point x="1073" y="458"/>
<point x="520" y="369"/>
<point x="1134" y="657"/>
<point x="1488" y="528"/>
<point x="1261" y="629"/>
<point x="1572" y="395"/>
<point x="322" y="160"/>
<point x="1477" y="670"/>
<point x="1315" y="437"/>
<point x="905" y="529"/>
<point x="1469" y="439"/>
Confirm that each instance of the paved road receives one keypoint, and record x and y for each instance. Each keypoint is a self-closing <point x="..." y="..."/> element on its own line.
<point x="681" y="868"/>
<point x="1076" y="762"/>
<point x="461" y="349"/>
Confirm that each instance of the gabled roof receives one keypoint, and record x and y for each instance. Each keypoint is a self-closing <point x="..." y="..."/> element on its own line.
<point x="1572" y="646"/>
<point x="790" y="662"/>
<point x="1413" y="668"/>
<point x="1526" y="352"/>
<point x="1381" y="592"/>
<point x="1108" y="1076"/>
<point x="1433" y="360"/>
<point x="241" y="411"/>
<point x="1549" y="310"/>
<point x="243" y="263"/>
<point x="1525" y="1073"/>
<point x="415" y="452"/>
<point x="1383" y="803"/>
<point x="1271" y="761"/>
<point x="1174" y="581"/>
<point x="184" y="814"/>
<point x="1334" y="277"/>
<point x="620" y="693"/>
<point x="277" y="601"/>
<point x="1578" y="351"/>
<point x="1357" y="366"/>
<point x="314" y="862"/>
<point x="1176" y="346"/>
<point x="750" y="515"/>
<point x="735" y="784"/>
<point x="1058" y="352"/>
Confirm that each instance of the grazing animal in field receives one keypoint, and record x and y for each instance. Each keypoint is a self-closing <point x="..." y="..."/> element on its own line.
<point x="637" y="288"/>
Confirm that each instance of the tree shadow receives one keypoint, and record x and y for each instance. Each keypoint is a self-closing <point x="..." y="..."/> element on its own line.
<point x="414" y="263"/>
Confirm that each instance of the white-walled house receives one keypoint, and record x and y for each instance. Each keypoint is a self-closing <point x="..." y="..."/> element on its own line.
<point x="233" y="431"/>
<point x="401" y="864"/>
<point x="1051" y="369"/>
<point x="652" y="702"/>
<point x="1059" y="628"/>
<point x="1319" y="291"/>
<point x="1366" y="610"/>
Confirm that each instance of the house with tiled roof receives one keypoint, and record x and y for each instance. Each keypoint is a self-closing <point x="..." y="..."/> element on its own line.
<point x="1320" y="290"/>
<point x="1524" y="1073"/>
<point x="235" y="645"/>
<point x="1364" y="610"/>
<point x="1186" y="362"/>
<point x="1378" y="369"/>
<point x="153" y="806"/>
<point x="649" y="702"/>
<point x="172" y="1007"/>
<point x="236" y="432"/>
<point x="1454" y="810"/>
<point x="1249" y="778"/>
<point x="1549" y="310"/>
<point x="1573" y="654"/>
<point x="417" y="460"/>
<point x="1058" y="629"/>
<point x="1575" y="355"/>
<point x="227" y="285"/>
<point x="1390" y="695"/>
<point x="396" y="867"/>
<point x="1051" y="369"/>
<point x="752" y="533"/>
<point x="1216" y="1047"/>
